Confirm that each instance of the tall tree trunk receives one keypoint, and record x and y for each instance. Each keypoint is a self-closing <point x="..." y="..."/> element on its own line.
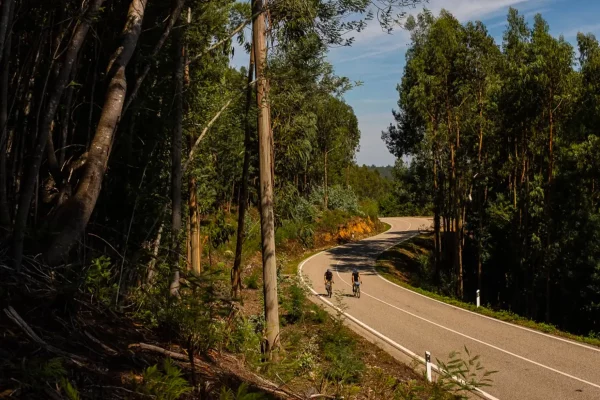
<point x="436" y="221"/>
<point x="5" y="23"/>
<point x="5" y="218"/>
<point x="31" y="175"/>
<point x="152" y="263"/>
<point x="72" y="217"/>
<point x="259" y="35"/>
<point x="176" y="170"/>
<point x="194" y="227"/>
<point x="325" y="183"/>
<point x="236" y="276"/>
<point x="176" y="8"/>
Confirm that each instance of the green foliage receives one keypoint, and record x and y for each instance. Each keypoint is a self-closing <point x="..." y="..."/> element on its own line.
<point x="294" y="302"/>
<point x="461" y="375"/>
<point x="339" y="198"/>
<point x="503" y="149"/>
<point x="70" y="391"/>
<point x="331" y="220"/>
<point x="252" y="281"/>
<point x="341" y="352"/>
<point x="165" y="384"/>
<point x="99" y="280"/>
<point x="241" y="394"/>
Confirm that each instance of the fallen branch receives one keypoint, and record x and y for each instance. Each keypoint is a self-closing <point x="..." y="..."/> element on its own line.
<point x="99" y="343"/>
<point x="254" y="380"/>
<point x="16" y="318"/>
<point x="156" y="349"/>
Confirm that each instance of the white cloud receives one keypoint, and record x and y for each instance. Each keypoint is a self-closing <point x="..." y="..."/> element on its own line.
<point x="592" y="28"/>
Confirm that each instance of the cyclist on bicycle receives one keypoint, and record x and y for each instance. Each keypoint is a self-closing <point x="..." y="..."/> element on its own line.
<point x="328" y="276"/>
<point x="355" y="279"/>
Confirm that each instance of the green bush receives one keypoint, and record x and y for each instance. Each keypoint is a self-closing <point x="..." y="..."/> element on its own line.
<point x="241" y="394"/>
<point x="251" y="281"/>
<point x="294" y="303"/>
<point x="167" y="384"/>
<point x="339" y="198"/>
<point x="99" y="280"/>
<point x="332" y="219"/>
<point x="316" y="314"/>
<point x="369" y="208"/>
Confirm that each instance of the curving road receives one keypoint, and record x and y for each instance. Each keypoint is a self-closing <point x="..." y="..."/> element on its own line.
<point x="531" y="365"/>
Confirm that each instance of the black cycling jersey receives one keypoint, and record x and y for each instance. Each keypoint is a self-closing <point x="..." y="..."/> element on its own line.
<point x="355" y="276"/>
<point x="329" y="275"/>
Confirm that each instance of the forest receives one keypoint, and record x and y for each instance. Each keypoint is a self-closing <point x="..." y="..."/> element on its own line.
<point x="505" y="138"/>
<point x="146" y="185"/>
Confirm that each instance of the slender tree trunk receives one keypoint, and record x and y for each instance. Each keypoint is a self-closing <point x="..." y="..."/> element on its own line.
<point x="436" y="221"/>
<point x="259" y="33"/>
<point x="176" y="170"/>
<point x="177" y="7"/>
<point x="72" y="217"/>
<point x="236" y="277"/>
<point x="325" y="183"/>
<point x="31" y="175"/>
<point x="5" y="23"/>
<point x="5" y="218"/>
<point x="152" y="263"/>
<point x="189" y="243"/>
<point x="194" y="228"/>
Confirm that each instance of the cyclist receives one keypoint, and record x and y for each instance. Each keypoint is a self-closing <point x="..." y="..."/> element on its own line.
<point x="355" y="280"/>
<point x="328" y="276"/>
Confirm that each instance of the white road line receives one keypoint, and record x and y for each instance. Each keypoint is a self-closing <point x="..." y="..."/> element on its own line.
<point x="381" y="335"/>
<point x="476" y="340"/>
<point x="481" y="315"/>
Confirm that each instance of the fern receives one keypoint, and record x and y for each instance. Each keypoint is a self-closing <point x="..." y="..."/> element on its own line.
<point x="167" y="384"/>
<point x="70" y="391"/>
<point x="241" y="394"/>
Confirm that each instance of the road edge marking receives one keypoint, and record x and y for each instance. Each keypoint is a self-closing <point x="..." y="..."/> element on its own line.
<point x="581" y="380"/>
<point x="568" y="341"/>
<point x="380" y="335"/>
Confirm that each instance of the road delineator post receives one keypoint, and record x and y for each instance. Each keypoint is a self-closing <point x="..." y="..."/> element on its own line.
<point x="428" y="366"/>
<point x="478" y="298"/>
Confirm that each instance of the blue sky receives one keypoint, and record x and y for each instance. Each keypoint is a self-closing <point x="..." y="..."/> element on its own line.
<point x="377" y="58"/>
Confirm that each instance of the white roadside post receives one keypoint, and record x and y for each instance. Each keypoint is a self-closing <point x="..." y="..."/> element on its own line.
<point x="478" y="298"/>
<point x="428" y="366"/>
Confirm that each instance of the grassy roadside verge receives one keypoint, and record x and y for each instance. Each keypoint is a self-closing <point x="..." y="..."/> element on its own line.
<point x="402" y="264"/>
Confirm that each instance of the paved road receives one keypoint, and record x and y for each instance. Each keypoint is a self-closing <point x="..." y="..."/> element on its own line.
<point x="531" y="365"/>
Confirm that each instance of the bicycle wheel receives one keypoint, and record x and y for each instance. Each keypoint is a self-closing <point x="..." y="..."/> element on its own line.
<point x="358" y="292"/>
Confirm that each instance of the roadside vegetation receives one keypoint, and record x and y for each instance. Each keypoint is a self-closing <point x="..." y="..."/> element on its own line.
<point x="503" y="141"/>
<point x="409" y="264"/>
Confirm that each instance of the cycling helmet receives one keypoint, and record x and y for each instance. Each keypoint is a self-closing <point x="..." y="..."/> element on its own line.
<point x="328" y="270"/>
<point x="355" y="271"/>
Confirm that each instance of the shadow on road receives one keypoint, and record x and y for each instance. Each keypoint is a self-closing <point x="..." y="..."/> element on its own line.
<point x="361" y="255"/>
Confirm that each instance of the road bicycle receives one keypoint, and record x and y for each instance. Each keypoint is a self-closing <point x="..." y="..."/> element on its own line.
<point x="328" y="287"/>
<point x="356" y="290"/>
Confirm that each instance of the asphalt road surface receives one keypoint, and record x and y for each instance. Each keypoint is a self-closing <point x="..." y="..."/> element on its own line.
<point x="530" y="364"/>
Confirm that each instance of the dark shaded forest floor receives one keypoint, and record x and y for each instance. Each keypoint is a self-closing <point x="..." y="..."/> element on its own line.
<point x="59" y="342"/>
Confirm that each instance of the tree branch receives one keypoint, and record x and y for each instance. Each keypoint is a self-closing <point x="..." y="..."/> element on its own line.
<point x="220" y="42"/>
<point x="204" y="131"/>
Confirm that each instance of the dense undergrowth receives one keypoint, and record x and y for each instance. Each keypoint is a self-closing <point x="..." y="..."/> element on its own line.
<point x="409" y="264"/>
<point x="76" y="342"/>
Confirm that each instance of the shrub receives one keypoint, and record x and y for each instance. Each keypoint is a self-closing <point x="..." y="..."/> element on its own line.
<point x="293" y="303"/>
<point x="251" y="280"/>
<point x="339" y="198"/>
<point x="167" y="384"/>
<point x="99" y="280"/>
<point x="332" y="219"/>
<point x="241" y="394"/>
